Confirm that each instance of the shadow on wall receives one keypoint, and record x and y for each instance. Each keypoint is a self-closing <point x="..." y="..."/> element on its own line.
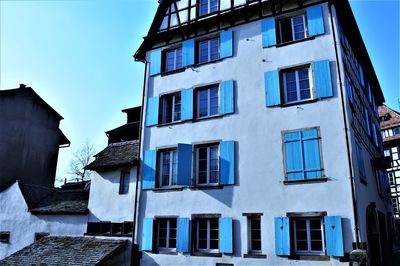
<point x="347" y="231"/>
<point x="148" y="260"/>
<point x="237" y="248"/>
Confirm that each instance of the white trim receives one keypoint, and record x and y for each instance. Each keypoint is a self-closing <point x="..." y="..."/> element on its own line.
<point x="308" y="231"/>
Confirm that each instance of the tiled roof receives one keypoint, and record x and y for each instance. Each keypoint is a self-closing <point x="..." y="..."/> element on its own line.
<point x="66" y="250"/>
<point x="63" y="202"/>
<point x="116" y="155"/>
<point x="394" y="117"/>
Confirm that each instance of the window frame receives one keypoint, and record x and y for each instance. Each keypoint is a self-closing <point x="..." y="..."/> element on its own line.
<point x="124" y="179"/>
<point x="197" y="101"/>
<point x="208" y="171"/>
<point x="172" y="152"/>
<point x="165" y="52"/>
<point x="167" y="236"/>
<point x="198" y="8"/>
<point x="309" y="252"/>
<point x="171" y="98"/>
<point x="208" y="250"/>
<point x="284" y="72"/>
<point x="291" y="17"/>
<point x="208" y="40"/>
<point x="250" y="234"/>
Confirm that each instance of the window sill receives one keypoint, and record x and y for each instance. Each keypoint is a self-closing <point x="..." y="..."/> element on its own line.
<point x="165" y="252"/>
<point x="293" y="42"/>
<point x="201" y="254"/>
<point x="305" y="181"/>
<point x="299" y="103"/>
<point x="171" y="123"/>
<point x="206" y="187"/>
<point x="198" y="119"/>
<point x="205" y="63"/>
<point x="107" y="235"/>
<point x="310" y="257"/>
<point x="167" y="73"/>
<point x="167" y="189"/>
<point x="255" y="256"/>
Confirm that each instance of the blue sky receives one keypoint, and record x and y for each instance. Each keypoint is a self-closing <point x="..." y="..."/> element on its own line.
<point x="77" y="55"/>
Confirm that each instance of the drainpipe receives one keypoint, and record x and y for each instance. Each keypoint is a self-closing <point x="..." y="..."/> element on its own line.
<point x="135" y="260"/>
<point x="352" y="181"/>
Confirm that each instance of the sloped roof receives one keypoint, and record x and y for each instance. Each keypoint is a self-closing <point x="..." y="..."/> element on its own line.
<point x="33" y="194"/>
<point x="116" y="155"/>
<point x="394" y="117"/>
<point x="66" y="250"/>
<point x="63" y="202"/>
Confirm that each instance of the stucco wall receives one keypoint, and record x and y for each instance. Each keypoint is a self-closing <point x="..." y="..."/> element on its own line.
<point x="259" y="159"/>
<point x="105" y="203"/>
<point x="16" y="218"/>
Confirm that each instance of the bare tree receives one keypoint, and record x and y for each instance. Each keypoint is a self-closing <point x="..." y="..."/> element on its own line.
<point x="82" y="158"/>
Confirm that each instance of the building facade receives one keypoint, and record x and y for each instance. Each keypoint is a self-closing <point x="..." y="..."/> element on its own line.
<point x="260" y="126"/>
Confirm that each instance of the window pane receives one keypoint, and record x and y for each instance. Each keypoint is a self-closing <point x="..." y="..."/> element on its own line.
<point x="290" y="81"/>
<point x="213" y="101"/>
<point x="167" y="110"/>
<point x="165" y="168"/>
<point x="256" y="245"/>
<point x="300" y="224"/>
<point x="177" y="107"/>
<point x="315" y="224"/>
<point x="203" y="7"/>
<point x="316" y="235"/>
<point x="214" y="160"/>
<point x="298" y="28"/>
<point x="302" y="245"/>
<point x="203" y="103"/>
<point x="213" y="6"/>
<point x="214" y="50"/>
<point x="202" y="244"/>
<point x="304" y="84"/>
<point x="178" y="58"/>
<point x="301" y="234"/>
<point x="170" y="62"/>
<point x="316" y="245"/>
<point x="172" y="243"/>
<point x="174" y="168"/>
<point x="286" y="30"/>
<point x="214" y="244"/>
<point x="162" y="243"/>
<point x="203" y="52"/>
<point x="214" y="224"/>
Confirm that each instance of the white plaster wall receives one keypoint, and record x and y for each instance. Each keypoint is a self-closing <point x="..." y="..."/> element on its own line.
<point x="15" y="217"/>
<point x="105" y="203"/>
<point x="257" y="130"/>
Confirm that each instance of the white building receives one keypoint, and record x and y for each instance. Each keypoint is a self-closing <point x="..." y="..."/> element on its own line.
<point x="260" y="125"/>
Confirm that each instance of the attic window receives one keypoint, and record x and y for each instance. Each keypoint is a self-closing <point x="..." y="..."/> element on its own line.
<point x="4" y="237"/>
<point x="206" y="7"/>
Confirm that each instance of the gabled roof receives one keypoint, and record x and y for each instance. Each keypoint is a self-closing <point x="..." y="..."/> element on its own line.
<point x="116" y="155"/>
<point x="394" y="117"/>
<point x="66" y="250"/>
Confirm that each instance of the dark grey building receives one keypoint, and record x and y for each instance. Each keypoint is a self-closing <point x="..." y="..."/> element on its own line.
<point x="30" y="138"/>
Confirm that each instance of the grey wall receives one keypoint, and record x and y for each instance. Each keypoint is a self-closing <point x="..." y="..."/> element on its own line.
<point x="29" y="140"/>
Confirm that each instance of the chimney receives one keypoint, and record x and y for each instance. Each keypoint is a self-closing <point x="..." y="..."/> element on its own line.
<point x="22" y="86"/>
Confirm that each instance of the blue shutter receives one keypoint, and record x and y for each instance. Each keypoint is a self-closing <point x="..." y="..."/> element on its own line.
<point x="272" y="88"/>
<point x="227" y="97"/>
<point x="226" y="43"/>
<point x="227" y="161"/>
<point x="155" y="62"/>
<point x="268" y="32"/>
<point x="367" y="124"/>
<point x="182" y="244"/>
<point x="282" y="236"/>
<point x="147" y="234"/>
<point x="149" y="169"/>
<point x="322" y="78"/>
<point x="334" y="236"/>
<point x="312" y="158"/>
<point x="188" y="52"/>
<point x="152" y="111"/>
<point x="226" y="235"/>
<point x="294" y="156"/>
<point x="315" y="21"/>
<point x="184" y="175"/>
<point x="187" y="104"/>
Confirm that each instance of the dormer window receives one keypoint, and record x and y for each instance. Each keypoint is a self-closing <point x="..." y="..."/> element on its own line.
<point x="207" y="7"/>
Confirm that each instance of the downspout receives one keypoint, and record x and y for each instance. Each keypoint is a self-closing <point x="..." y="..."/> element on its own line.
<point x="352" y="181"/>
<point x="135" y="260"/>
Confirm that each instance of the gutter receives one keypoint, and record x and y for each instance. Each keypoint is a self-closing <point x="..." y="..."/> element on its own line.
<point x="352" y="181"/>
<point x="135" y="246"/>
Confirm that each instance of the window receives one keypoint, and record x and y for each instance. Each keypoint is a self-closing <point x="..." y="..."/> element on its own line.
<point x="391" y="179"/>
<point x="349" y="87"/>
<point x="208" y="50"/>
<point x="292" y="29"/>
<point x="109" y="229"/>
<point x="254" y="227"/>
<point x="296" y="84"/>
<point x="171" y="108"/>
<point x="39" y="236"/>
<point x="308" y="236"/>
<point x="207" y="102"/>
<point x="360" y="161"/>
<point x="396" y="131"/>
<point x="207" y="164"/>
<point x="173" y="59"/>
<point x="167" y="168"/>
<point x="207" y="235"/>
<point x="166" y="233"/>
<point x="124" y="182"/>
<point x="4" y="237"/>
<point x="302" y="155"/>
<point x="207" y="7"/>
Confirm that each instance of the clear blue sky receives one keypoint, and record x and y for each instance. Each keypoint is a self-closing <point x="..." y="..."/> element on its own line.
<point x="77" y="55"/>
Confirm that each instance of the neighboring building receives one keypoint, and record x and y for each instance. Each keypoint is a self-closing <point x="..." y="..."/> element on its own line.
<point x="30" y="212"/>
<point x="261" y="124"/>
<point x="113" y="183"/>
<point x="30" y="138"/>
<point x="64" y="250"/>
<point x="390" y="127"/>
